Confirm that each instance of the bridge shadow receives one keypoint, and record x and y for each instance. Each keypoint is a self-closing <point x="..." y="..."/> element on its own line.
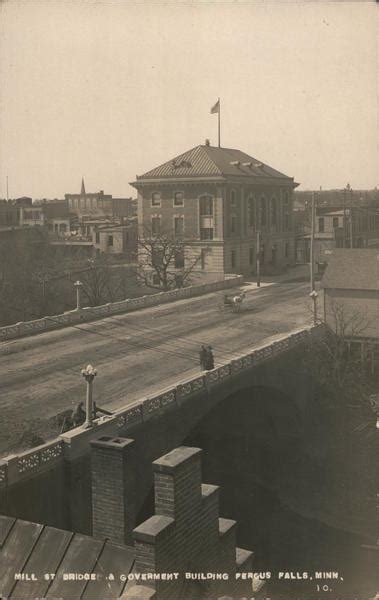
<point x="256" y="448"/>
<point x="249" y="440"/>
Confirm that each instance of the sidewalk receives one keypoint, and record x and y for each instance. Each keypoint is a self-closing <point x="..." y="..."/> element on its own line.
<point x="293" y="275"/>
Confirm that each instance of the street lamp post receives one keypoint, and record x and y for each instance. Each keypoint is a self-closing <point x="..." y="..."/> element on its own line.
<point x="78" y="285"/>
<point x="314" y="295"/>
<point x="89" y="374"/>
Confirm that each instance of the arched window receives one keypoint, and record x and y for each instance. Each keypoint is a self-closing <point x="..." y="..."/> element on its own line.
<point x="179" y="199"/>
<point x="206" y="206"/>
<point x="263" y="212"/>
<point x="251" y="211"/>
<point x="274" y="211"/>
<point x="156" y="199"/>
<point x="206" y="217"/>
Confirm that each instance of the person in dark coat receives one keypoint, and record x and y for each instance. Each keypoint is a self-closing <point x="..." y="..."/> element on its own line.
<point x="203" y="357"/>
<point x="210" y="362"/>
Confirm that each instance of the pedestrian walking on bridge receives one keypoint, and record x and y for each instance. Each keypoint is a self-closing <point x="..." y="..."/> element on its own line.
<point x="210" y="361"/>
<point x="203" y="357"/>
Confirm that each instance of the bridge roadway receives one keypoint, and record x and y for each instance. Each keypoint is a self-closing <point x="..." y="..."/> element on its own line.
<point x="135" y="354"/>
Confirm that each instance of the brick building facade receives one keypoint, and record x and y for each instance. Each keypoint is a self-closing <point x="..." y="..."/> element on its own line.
<point x="218" y="199"/>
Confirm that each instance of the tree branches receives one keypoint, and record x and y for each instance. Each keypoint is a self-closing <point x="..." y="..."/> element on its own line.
<point x="163" y="260"/>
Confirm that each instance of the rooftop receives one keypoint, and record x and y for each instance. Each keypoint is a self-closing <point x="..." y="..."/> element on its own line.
<point x="212" y="161"/>
<point x="352" y="269"/>
<point x="33" y="548"/>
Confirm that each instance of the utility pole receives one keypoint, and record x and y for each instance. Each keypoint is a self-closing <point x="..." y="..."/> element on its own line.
<point x="313" y="295"/>
<point x="344" y="220"/>
<point x="312" y="276"/>
<point x="219" y="123"/>
<point x="351" y="227"/>
<point x="7" y="190"/>
<point x="258" y="258"/>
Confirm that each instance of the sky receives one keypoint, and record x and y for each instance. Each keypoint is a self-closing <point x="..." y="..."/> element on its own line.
<point x="110" y="89"/>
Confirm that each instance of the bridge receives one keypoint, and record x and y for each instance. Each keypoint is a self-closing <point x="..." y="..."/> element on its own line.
<point x="40" y="374"/>
<point x="52" y="483"/>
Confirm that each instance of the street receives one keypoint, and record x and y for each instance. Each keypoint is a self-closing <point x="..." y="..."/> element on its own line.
<point x="135" y="354"/>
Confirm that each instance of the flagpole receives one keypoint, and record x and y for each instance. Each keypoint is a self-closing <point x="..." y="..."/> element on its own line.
<point x="219" y="128"/>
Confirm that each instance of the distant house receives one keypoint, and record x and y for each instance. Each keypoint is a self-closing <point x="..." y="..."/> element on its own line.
<point x="344" y="219"/>
<point x="351" y="288"/>
<point x="56" y="216"/>
<point x="98" y="204"/>
<point x="9" y="214"/>
<point x="116" y="239"/>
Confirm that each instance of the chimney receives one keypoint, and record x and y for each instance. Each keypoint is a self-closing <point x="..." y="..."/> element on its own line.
<point x="113" y="488"/>
<point x="207" y="142"/>
<point x="177" y="483"/>
<point x="186" y="533"/>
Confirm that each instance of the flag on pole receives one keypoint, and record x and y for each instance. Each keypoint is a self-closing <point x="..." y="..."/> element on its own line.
<point x="216" y="107"/>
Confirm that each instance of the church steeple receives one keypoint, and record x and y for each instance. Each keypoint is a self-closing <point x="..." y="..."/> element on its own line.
<point x="83" y="190"/>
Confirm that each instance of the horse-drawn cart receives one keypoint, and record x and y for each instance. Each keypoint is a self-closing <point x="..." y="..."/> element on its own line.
<point x="234" y="301"/>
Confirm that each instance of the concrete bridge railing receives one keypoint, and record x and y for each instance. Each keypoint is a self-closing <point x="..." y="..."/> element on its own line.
<point x="91" y="313"/>
<point x="75" y="443"/>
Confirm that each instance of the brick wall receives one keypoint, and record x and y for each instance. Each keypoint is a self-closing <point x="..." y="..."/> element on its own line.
<point x="186" y="534"/>
<point x="113" y="488"/>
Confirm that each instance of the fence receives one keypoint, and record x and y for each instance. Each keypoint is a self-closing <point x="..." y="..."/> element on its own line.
<point x="91" y="313"/>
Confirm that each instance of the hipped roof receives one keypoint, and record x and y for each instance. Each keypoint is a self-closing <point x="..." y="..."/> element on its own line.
<point x="212" y="161"/>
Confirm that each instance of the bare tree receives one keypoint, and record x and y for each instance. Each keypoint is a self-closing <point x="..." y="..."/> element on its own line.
<point x="335" y="358"/>
<point x="163" y="255"/>
<point x="97" y="281"/>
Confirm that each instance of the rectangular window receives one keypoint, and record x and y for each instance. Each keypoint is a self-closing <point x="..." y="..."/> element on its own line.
<point x="335" y="222"/>
<point x="287" y="221"/>
<point x="179" y="259"/>
<point x="179" y="225"/>
<point x="233" y="259"/>
<point x="178" y="199"/>
<point x="251" y="255"/>
<point x="206" y="234"/>
<point x="97" y="237"/>
<point x="233" y="224"/>
<point x="156" y="257"/>
<point x="155" y="199"/>
<point x="110" y="240"/>
<point x="155" y="225"/>
<point x="321" y="225"/>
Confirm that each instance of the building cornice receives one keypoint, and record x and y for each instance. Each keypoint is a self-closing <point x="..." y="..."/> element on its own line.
<point x="243" y="180"/>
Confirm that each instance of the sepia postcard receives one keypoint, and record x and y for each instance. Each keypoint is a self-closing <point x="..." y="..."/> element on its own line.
<point x="189" y="300"/>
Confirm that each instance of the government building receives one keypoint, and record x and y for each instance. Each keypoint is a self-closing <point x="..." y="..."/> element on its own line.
<point x="222" y="202"/>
